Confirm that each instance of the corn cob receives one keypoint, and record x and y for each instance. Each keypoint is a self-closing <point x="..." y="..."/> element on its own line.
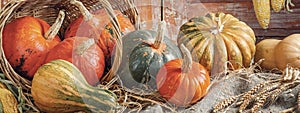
<point x="277" y="5"/>
<point x="263" y="12"/>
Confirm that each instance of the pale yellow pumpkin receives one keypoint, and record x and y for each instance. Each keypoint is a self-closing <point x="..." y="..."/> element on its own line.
<point x="265" y="50"/>
<point x="287" y="52"/>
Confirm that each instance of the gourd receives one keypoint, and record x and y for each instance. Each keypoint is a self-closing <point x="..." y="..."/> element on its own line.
<point x="58" y="86"/>
<point x="27" y="40"/>
<point x="98" y="25"/>
<point x="287" y="52"/>
<point x="84" y="53"/>
<point x="265" y="50"/>
<point x="8" y="102"/>
<point x="218" y="38"/>
<point x="145" y="52"/>
<point x="183" y="81"/>
<point x="262" y="11"/>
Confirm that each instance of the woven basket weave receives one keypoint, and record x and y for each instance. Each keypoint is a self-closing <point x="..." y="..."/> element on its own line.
<point x="48" y="11"/>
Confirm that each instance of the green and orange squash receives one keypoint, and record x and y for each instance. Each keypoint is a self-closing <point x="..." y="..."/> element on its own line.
<point x="58" y="86"/>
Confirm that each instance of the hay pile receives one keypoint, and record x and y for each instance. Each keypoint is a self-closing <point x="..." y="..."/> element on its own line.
<point x="250" y="90"/>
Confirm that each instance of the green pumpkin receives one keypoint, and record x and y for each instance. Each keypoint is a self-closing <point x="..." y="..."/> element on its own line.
<point x="142" y="58"/>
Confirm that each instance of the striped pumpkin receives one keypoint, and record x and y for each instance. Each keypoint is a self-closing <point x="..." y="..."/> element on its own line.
<point x="58" y="86"/>
<point x="217" y="38"/>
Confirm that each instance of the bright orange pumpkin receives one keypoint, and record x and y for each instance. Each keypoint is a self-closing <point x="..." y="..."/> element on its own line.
<point x="25" y="45"/>
<point x="97" y="25"/>
<point x="182" y="81"/>
<point x="84" y="54"/>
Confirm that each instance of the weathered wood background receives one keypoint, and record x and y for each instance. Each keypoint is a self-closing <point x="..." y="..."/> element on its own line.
<point x="282" y="24"/>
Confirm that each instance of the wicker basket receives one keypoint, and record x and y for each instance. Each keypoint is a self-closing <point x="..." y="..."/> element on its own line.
<point x="48" y="11"/>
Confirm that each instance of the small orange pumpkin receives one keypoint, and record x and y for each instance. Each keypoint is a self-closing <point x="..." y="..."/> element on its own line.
<point x="182" y="81"/>
<point x="84" y="53"/>
<point x="98" y="25"/>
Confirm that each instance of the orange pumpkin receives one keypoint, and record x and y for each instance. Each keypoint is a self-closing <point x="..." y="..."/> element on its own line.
<point x="182" y="81"/>
<point x="84" y="53"/>
<point x="25" y="45"/>
<point x="98" y="25"/>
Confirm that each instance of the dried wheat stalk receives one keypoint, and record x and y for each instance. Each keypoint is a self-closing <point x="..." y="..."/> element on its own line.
<point x="225" y="103"/>
<point x="260" y="102"/>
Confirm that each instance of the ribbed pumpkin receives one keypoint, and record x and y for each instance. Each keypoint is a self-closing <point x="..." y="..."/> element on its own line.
<point x="26" y="41"/>
<point x="145" y="52"/>
<point x="182" y="81"/>
<point x="265" y="50"/>
<point x="98" y="25"/>
<point x="8" y="102"/>
<point x="84" y="53"/>
<point x="287" y="52"/>
<point x="59" y="87"/>
<point x="217" y="38"/>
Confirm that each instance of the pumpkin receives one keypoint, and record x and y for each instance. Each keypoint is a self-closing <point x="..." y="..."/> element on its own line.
<point x="218" y="38"/>
<point x="145" y="52"/>
<point x="59" y="87"/>
<point x="265" y="50"/>
<point x="27" y="40"/>
<point x="182" y="81"/>
<point x="84" y="54"/>
<point x="8" y="102"/>
<point x="98" y="25"/>
<point x="287" y="52"/>
<point x="3" y="86"/>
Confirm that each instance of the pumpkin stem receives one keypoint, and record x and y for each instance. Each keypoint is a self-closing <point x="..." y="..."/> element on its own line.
<point x="187" y="59"/>
<point x="86" y="13"/>
<point x="220" y="26"/>
<point x="160" y="35"/>
<point x="54" y="29"/>
<point x="82" y="47"/>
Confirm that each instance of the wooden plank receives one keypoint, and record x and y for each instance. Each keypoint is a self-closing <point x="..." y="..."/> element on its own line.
<point x="282" y="24"/>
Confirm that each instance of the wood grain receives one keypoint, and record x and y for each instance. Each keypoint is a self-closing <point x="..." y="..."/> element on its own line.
<point x="282" y="24"/>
